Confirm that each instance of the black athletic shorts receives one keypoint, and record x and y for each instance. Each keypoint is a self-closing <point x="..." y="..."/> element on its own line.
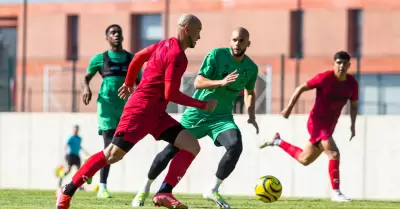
<point x="73" y="160"/>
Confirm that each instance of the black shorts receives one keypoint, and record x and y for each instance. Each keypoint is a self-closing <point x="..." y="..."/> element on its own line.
<point x="73" y="160"/>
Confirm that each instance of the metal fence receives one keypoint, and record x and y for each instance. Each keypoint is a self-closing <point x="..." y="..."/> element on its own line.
<point x="52" y="90"/>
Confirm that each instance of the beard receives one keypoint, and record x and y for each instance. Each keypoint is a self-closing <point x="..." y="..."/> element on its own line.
<point x="238" y="54"/>
<point x="190" y="42"/>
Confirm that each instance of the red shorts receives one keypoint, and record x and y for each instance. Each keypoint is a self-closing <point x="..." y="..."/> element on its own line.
<point x="134" y="127"/>
<point x="320" y="131"/>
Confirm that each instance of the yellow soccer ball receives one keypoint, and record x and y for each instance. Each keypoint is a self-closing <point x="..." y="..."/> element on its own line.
<point x="96" y="188"/>
<point x="268" y="189"/>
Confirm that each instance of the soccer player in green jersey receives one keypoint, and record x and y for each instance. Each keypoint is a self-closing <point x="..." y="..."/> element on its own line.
<point x="112" y="65"/>
<point x="223" y="74"/>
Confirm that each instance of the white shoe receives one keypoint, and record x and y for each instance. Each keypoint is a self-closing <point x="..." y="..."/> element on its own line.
<point x="217" y="198"/>
<point x="270" y="143"/>
<point x="139" y="199"/>
<point x="340" y="197"/>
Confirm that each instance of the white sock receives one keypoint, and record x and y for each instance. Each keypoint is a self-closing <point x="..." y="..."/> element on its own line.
<point x="336" y="191"/>
<point x="277" y="142"/>
<point x="147" y="185"/>
<point x="103" y="186"/>
<point x="216" y="183"/>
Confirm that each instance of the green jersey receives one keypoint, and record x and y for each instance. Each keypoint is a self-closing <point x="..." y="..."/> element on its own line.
<point x="216" y="66"/>
<point x="112" y="66"/>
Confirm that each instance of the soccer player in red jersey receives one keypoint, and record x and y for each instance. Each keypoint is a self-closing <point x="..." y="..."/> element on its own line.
<point x="145" y="113"/>
<point x="333" y="89"/>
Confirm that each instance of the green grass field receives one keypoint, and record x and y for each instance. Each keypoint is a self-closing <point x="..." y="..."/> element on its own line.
<point x="34" y="199"/>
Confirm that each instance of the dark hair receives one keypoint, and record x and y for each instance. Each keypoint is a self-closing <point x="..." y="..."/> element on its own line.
<point x="76" y="126"/>
<point x="341" y="55"/>
<point x="111" y="26"/>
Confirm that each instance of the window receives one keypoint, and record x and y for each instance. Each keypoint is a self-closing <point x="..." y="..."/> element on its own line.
<point x="378" y="94"/>
<point x="354" y="32"/>
<point x="72" y="37"/>
<point x="8" y="22"/>
<point x="296" y="34"/>
<point x="146" y="29"/>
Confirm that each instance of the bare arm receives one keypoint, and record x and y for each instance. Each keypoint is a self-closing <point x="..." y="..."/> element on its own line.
<point x="207" y="70"/>
<point x="203" y="82"/>
<point x="296" y="95"/>
<point x="250" y="101"/>
<point x="353" y="112"/>
<point x="86" y="80"/>
<point x="87" y="93"/>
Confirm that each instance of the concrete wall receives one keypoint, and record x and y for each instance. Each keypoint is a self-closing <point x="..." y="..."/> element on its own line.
<point x="31" y="146"/>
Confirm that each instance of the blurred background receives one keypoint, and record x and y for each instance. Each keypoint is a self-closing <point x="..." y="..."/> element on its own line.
<point x="45" y="46"/>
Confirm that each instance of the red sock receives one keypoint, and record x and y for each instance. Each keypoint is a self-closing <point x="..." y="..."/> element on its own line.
<point x="179" y="164"/>
<point x="291" y="150"/>
<point x="87" y="171"/>
<point x="334" y="173"/>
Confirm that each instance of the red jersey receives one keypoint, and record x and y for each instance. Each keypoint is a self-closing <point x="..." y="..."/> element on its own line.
<point x="161" y="79"/>
<point x="331" y="95"/>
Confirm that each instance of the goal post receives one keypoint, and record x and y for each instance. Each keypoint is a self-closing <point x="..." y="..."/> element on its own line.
<point x="62" y="75"/>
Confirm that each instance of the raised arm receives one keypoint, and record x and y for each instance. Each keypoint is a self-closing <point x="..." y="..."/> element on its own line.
<point x="137" y="63"/>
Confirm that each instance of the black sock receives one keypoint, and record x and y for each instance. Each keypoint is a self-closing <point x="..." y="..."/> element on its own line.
<point x="165" y="188"/>
<point x="108" y="136"/>
<point x="104" y="174"/>
<point x="70" y="189"/>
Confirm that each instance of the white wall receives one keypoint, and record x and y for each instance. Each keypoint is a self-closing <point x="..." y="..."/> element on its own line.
<point x="32" y="145"/>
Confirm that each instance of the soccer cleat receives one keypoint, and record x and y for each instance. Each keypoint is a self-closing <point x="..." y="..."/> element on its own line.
<point x="139" y="199"/>
<point x="216" y="198"/>
<point x="340" y="197"/>
<point x="63" y="200"/>
<point x="167" y="200"/>
<point x="272" y="142"/>
<point x="103" y="194"/>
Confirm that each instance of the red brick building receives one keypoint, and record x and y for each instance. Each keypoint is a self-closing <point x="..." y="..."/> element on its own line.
<point x="312" y="30"/>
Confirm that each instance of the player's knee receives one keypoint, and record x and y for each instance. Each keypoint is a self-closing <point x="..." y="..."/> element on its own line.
<point x="113" y="154"/>
<point x="305" y="160"/>
<point x="333" y="155"/>
<point x="188" y="142"/>
<point x="194" y="148"/>
<point x="236" y="148"/>
<point x="113" y="158"/>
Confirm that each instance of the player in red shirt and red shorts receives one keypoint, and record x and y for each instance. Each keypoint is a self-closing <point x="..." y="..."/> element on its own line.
<point x="145" y="113"/>
<point x="333" y="89"/>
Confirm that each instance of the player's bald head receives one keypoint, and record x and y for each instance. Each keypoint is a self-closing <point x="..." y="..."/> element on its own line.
<point x="239" y="41"/>
<point x="241" y="32"/>
<point x="188" y="20"/>
<point x="189" y="27"/>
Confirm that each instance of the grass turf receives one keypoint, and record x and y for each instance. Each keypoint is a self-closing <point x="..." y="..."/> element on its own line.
<point x="38" y="199"/>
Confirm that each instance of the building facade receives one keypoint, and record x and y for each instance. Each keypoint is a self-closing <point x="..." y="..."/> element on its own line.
<point x="297" y="38"/>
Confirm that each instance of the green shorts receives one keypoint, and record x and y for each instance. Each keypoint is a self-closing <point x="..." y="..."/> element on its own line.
<point x="108" y="115"/>
<point x="211" y="128"/>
